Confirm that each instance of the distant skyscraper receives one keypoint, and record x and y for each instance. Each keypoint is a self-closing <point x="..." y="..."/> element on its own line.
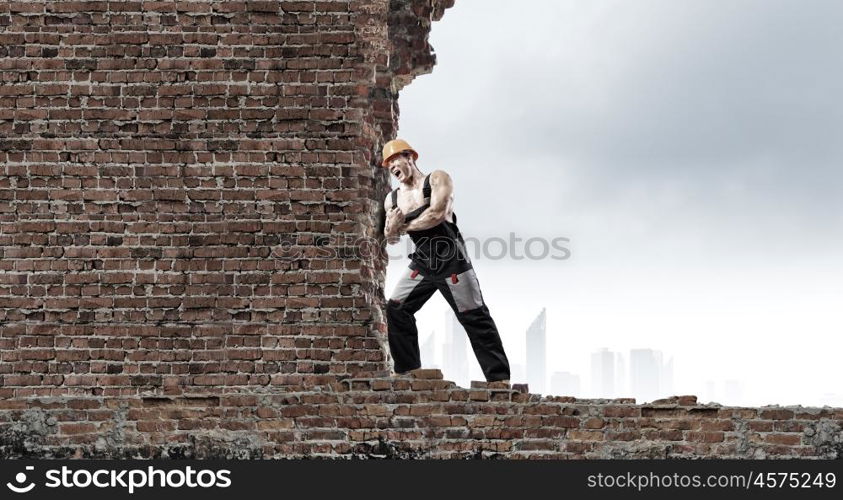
<point x="651" y="377"/>
<point x="427" y="351"/>
<point x="454" y="351"/>
<point x="564" y="384"/>
<point x="621" y="376"/>
<point x="536" y="342"/>
<point x="603" y="373"/>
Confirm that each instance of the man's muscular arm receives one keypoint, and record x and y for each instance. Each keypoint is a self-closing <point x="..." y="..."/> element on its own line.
<point x="441" y="192"/>
<point x="394" y="219"/>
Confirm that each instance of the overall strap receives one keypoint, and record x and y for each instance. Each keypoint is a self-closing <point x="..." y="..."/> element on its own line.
<point x="426" y="189"/>
<point x="394" y="198"/>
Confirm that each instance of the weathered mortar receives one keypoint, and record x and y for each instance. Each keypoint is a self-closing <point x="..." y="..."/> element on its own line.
<point x="157" y="160"/>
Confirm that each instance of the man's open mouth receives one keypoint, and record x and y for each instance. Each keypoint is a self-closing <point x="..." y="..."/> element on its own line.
<point x="396" y="172"/>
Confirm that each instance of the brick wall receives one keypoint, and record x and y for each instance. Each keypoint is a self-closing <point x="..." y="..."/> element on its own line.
<point x="185" y="186"/>
<point x="189" y="231"/>
<point x="417" y="416"/>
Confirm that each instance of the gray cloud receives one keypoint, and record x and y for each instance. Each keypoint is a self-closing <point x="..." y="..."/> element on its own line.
<point x="712" y="116"/>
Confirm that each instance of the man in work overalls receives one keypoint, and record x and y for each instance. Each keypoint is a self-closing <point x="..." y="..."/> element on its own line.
<point x="422" y="206"/>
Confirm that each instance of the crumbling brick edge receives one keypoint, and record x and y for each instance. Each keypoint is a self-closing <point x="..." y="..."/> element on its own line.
<point x="418" y="416"/>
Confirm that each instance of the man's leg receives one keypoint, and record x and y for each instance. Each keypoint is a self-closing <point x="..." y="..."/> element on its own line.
<point x="411" y="292"/>
<point x="462" y="291"/>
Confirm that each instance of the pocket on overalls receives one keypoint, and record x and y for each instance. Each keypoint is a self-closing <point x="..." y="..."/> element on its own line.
<point x="405" y="285"/>
<point x="465" y="289"/>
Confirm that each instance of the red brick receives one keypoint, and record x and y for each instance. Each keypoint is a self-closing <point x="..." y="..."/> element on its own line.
<point x="776" y="414"/>
<point x="705" y="437"/>
<point x="77" y="428"/>
<point x="785" y="439"/>
<point x="584" y="435"/>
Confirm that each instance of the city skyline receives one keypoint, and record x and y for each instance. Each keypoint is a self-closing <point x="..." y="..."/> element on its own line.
<point x="536" y="347"/>
<point x="648" y="376"/>
<point x="462" y="368"/>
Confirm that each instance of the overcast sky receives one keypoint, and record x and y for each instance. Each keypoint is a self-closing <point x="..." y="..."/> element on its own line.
<point x="691" y="151"/>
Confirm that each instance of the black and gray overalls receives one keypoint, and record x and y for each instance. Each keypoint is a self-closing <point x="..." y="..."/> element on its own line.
<point x="440" y="262"/>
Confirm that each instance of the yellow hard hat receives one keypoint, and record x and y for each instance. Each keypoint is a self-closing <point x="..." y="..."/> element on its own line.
<point x="394" y="147"/>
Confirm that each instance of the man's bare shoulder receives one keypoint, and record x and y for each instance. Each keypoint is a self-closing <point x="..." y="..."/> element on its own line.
<point x="440" y="177"/>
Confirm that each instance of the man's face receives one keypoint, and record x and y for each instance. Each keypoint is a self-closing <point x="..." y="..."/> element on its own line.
<point x="400" y="166"/>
